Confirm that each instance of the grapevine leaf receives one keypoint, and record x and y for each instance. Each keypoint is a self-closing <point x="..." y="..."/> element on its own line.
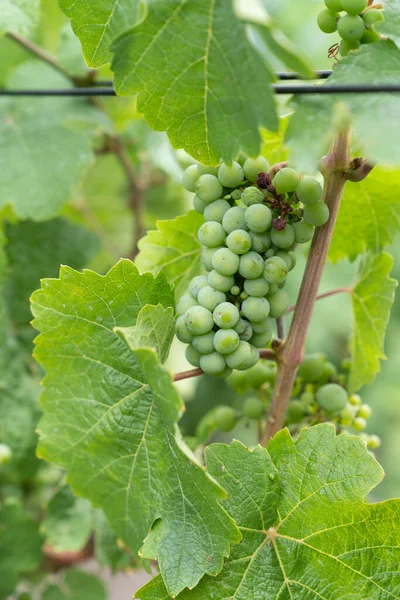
<point x="174" y="249"/>
<point x="318" y="117"/>
<point x="97" y="23"/>
<point x="155" y="328"/>
<point x="391" y="24"/>
<point x="110" y="419"/>
<point x="372" y="299"/>
<point x="19" y="16"/>
<point x="369" y="217"/>
<point x="273" y="147"/>
<point x="68" y="522"/>
<point x="20" y="546"/>
<point x="211" y="98"/>
<point x="76" y="585"/>
<point x="107" y="551"/>
<point x="306" y="531"/>
<point x="34" y="134"/>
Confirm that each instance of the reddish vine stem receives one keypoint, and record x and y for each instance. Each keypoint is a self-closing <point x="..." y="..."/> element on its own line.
<point x="267" y="354"/>
<point x="325" y="295"/>
<point x="291" y="353"/>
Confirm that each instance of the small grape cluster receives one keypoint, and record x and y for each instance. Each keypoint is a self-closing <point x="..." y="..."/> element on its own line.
<point x="252" y="223"/>
<point x="356" y="27"/>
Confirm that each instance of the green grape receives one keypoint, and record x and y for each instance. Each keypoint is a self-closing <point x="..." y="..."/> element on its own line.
<point x="185" y="302"/>
<point x="283" y="238"/>
<point x="212" y="364"/>
<point x="312" y="368"/>
<point x="244" y="357"/>
<point x="211" y="234"/>
<point x="364" y="411"/>
<point x="316" y="214"/>
<point x="256" y="287"/>
<point x="359" y="424"/>
<point x="208" y="188"/>
<point x="253" y="166"/>
<point x="234" y="219"/>
<point x="182" y="332"/>
<point x="258" y="218"/>
<point x="273" y="288"/>
<point x="235" y="290"/>
<point x="226" y="315"/>
<point x="275" y="270"/>
<point x="247" y="333"/>
<point x="370" y="36"/>
<point x="225" y="418"/>
<point x="225" y="373"/>
<point x="346" y="364"/>
<point x="296" y="412"/>
<point x="204" y="343"/>
<point x="286" y="257"/>
<point x="190" y="177"/>
<point x="210" y="298"/>
<point x="203" y="170"/>
<point x="332" y="397"/>
<point x="334" y="5"/>
<point x="251" y="265"/>
<point x="239" y="241"/>
<point x="207" y="256"/>
<point x="240" y="326"/>
<point x="196" y="284"/>
<point x="225" y="261"/>
<point x="252" y="195"/>
<point x="258" y="375"/>
<point x="222" y="283"/>
<point x="286" y="180"/>
<point x="236" y="194"/>
<point x="199" y="205"/>
<point x="255" y="309"/>
<point x="351" y="27"/>
<point x="5" y="454"/>
<point x="355" y="400"/>
<point x="244" y="296"/>
<point x="216" y="210"/>
<point x="327" y="20"/>
<point x="253" y="408"/>
<point x="192" y="356"/>
<point x="270" y="252"/>
<point x="329" y="371"/>
<point x="226" y="341"/>
<point x="260" y="242"/>
<point x="199" y="320"/>
<point x="264" y="326"/>
<point x="347" y="416"/>
<point x="307" y="398"/>
<point x="279" y="303"/>
<point x="303" y="232"/>
<point x="292" y="258"/>
<point x="309" y="191"/>
<point x="374" y="442"/>
<point x="372" y="16"/>
<point x="260" y="340"/>
<point x="354" y="7"/>
<point x="231" y="176"/>
<point x="345" y="47"/>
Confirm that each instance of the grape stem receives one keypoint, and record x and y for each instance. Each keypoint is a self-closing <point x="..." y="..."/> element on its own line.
<point x="277" y="167"/>
<point x="325" y="295"/>
<point x="280" y="326"/>
<point x="359" y="170"/>
<point x="267" y="354"/>
<point x="291" y="353"/>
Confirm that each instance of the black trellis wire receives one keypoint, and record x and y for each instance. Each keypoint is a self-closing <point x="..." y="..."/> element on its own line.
<point x="105" y="88"/>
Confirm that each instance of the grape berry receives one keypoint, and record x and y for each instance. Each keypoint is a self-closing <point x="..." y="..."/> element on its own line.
<point x="252" y="224"/>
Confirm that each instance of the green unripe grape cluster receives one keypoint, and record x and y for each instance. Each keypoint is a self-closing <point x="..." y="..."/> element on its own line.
<point x="355" y="27"/>
<point x="252" y="221"/>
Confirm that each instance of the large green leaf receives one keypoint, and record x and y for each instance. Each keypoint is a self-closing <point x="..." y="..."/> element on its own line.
<point x="20" y="546"/>
<point x="306" y="531"/>
<point x="372" y="299"/>
<point x="76" y="585"/>
<point x="155" y="328"/>
<point x="210" y="95"/>
<point x="174" y="249"/>
<point x="391" y="25"/>
<point x="374" y="116"/>
<point x="369" y="216"/>
<point x="110" y="419"/>
<point x="97" y="23"/>
<point x="45" y="145"/>
<point x="107" y="551"/>
<point x="19" y="16"/>
<point x="68" y="521"/>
